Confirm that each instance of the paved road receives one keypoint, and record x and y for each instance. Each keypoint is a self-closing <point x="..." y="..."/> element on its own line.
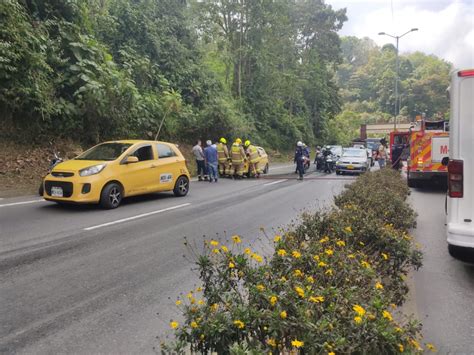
<point x="443" y="292"/>
<point x="83" y="280"/>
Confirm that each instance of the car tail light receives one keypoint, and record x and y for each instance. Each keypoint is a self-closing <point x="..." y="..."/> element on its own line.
<point x="463" y="73"/>
<point x="455" y="178"/>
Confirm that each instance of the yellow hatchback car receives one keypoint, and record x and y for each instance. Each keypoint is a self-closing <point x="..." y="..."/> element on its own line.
<point x="110" y="171"/>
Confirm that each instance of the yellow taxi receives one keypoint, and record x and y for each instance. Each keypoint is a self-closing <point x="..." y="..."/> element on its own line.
<point x="110" y="171"/>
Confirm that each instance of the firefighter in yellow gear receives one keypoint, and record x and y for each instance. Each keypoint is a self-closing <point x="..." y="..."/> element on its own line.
<point x="223" y="157"/>
<point x="253" y="157"/>
<point x="238" y="158"/>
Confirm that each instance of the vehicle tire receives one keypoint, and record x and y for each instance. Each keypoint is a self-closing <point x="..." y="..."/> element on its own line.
<point x="111" y="196"/>
<point x="265" y="171"/>
<point x="338" y="172"/>
<point x="461" y="253"/>
<point x="181" y="187"/>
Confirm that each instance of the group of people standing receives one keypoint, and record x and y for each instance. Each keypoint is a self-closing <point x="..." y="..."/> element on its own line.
<point x="216" y="159"/>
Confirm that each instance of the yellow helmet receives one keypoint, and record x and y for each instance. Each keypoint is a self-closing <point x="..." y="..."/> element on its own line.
<point x="223" y="140"/>
<point x="238" y="140"/>
<point x="247" y="143"/>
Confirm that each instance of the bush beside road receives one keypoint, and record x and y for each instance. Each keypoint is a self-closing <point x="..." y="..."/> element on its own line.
<point x="332" y="284"/>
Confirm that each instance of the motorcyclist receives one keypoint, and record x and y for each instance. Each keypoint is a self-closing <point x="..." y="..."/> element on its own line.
<point x="299" y="157"/>
<point x="327" y="154"/>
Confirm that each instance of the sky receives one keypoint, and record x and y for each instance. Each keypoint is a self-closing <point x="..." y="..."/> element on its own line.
<point x="445" y="27"/>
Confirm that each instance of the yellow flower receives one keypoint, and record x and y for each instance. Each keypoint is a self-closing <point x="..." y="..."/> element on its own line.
<point x="310" y="279"/>
<point x="283" y="279"/>
<point x="297" y="344"/>
<point x="324" y="240"/>
<point x="247" y="251"/>
<point x="194" y="325"/>
<point x="371" y="316"/>
<point x="273" y="300"/>
<point x="199" y="289"/>
<point x="364" y="264"/>
<point x="214" y="243"/>
<point x="214" y="307"/>
<point x="357" y="319"/>
<point x="322" y="264"/>
<point x="296" y="254"/>
<point x="393" y="305"/>
<point x="298" y="273"/>
<point x="341" y="243"/>
<point x="299" y="291"/>
<point x="332" y="353"/>
<point x="192" y="300"/>
<point x="178" y="302"/>
<point x="225" y="249"/>
<point x="378" y="286"/>
<point x="351" y="256"/>
<point x="398" y="329"/>
<point x="283" y="315"/>
<point x="277" y="238"/>
<point x="174" y="325"/>
<point x="361" y="243"/>
<point x="190" y="295"/>
<point x="415" y="344"/>
<point x="202" y="336"/>
<point x="216" y="251"/>
<point x="431" y="347"/>
<point x="236" y="239"/>
<point x="200" y="302"/>
<point x="329" y="252"/>
<point x="359" y="310"/>
<point x="271" y="342"/>
<point x="385" y="256"/>
<point x="317" y="299"/>
<point x="257" y="258"/>
<point x="231" y="265"/>
<point x="387" y="315"/>
<point x="348" y="229"/>
<point x="401" y="348"/>
<point x="329" y="272"/>
<point x="316" y="258"/>
<point x="239" y="324"/>
<point x="260" y="287"/>
<point x="281" y="252"/>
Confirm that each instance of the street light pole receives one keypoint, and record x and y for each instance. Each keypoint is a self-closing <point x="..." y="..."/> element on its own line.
<point x="397" y="38"/>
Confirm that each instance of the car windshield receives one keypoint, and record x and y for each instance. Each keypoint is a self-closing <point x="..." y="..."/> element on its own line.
<point x="335" y="149"/>
<point x="105" y="151"/>
<point x="373" y="145"/>
<point x="359" y="153"/>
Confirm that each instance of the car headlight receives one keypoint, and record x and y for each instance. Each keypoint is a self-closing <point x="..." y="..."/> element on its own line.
<point x="92" y="170"/>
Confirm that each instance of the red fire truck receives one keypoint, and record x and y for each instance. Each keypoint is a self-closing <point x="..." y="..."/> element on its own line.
<point x="429" y="144"/>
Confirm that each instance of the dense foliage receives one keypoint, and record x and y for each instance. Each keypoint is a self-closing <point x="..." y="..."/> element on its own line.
<point x="366" y="77"/>
<point x="96" y="69"/>
<point x="332" y="285"/>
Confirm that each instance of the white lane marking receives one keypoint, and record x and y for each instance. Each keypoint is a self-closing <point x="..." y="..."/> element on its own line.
<point x="21" y="203"/>
<point x="135" y="217"/>
<point x="281" y="167"/>
<point x="275" y="182"/>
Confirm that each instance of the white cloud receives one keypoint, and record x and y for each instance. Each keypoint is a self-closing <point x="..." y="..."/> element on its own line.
<point x="446" y="28"/>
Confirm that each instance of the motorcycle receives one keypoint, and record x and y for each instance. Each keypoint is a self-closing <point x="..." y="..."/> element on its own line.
<point x="329" y="163"/>
<point x="319" y="161"/>
<point x="55" y="160"/>
<point x="306" y="163"/>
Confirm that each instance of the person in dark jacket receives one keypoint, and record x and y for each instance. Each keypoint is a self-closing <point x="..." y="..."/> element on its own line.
<point x="299" y="157"/>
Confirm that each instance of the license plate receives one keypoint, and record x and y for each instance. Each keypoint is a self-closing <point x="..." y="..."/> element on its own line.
<point x="350" y="167"/>
<point x="57" y="191"/>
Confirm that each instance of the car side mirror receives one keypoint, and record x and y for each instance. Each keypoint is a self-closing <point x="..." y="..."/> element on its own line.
<point x="445" y="161"/>
<point x="131" y="159"/>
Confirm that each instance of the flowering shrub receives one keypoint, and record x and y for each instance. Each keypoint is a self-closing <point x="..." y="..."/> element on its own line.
<point x="331" y="286"/>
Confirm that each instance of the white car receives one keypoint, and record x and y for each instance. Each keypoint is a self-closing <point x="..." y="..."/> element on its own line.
<point x="460" y="204"/>
<point x="353" y="160"/>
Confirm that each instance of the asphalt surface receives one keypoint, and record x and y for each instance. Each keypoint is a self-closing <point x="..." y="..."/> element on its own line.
<point x="78" y="279"/>
<point x="443" y="290"/>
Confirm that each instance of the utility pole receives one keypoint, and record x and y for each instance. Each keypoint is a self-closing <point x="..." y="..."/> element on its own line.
<point x="397" y="70"/>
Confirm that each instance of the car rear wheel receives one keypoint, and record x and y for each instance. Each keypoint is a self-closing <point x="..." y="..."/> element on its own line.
<point x="338" y="172"/>
<point x="265" y="171"/>
<point x="181" y="187"/>
<point x="111" y="196"/>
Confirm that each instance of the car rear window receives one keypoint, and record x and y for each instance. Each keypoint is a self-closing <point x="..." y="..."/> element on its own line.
<point x="165" y="151"/>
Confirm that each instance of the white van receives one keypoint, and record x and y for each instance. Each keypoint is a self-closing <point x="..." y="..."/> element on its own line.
<point x="460" y="204"/>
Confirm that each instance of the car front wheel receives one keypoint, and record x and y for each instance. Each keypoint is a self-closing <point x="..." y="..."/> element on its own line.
<point x="111" y="196"/>
<point x="181" y="187"/>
